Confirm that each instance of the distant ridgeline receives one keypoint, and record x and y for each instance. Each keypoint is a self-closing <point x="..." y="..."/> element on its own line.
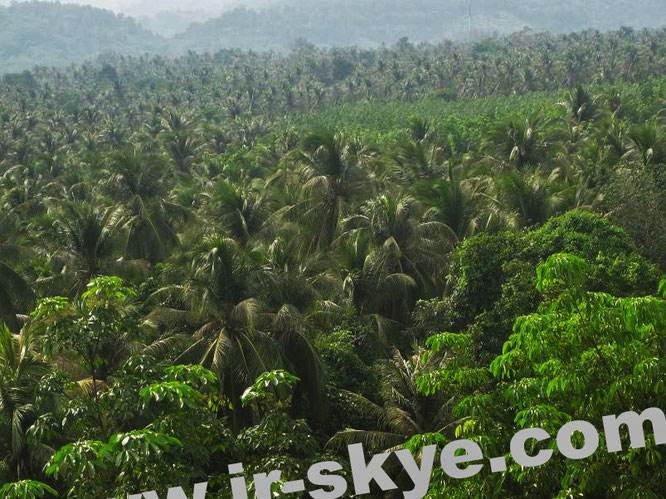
<point x="44" y="33"/>
<point x="373" y="22"/>
<point x="39" y="33"/>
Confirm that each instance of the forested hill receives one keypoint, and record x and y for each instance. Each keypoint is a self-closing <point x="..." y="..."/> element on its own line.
<point x="372" y="22"/>
<point x="41" y="33"/>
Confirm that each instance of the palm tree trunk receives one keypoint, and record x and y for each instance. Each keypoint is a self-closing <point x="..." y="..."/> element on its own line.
<point x="469" y="18"/>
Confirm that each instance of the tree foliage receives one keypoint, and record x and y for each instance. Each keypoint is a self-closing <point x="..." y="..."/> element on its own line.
<point x="257" y="258"/>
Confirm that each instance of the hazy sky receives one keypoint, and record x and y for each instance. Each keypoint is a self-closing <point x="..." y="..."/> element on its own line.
<point x="147" y="7"/>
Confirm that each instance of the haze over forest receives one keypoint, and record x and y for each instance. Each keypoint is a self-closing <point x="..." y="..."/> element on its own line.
<point x="390" y="224"/>
<point x="53" y="33"/>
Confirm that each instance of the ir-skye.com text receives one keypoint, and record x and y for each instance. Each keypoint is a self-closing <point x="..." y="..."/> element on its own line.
<point x="326" y="482"/>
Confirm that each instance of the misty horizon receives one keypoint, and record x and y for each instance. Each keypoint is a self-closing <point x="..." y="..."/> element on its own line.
<point x="62" y="32"/>
<point x="139" y="8"/>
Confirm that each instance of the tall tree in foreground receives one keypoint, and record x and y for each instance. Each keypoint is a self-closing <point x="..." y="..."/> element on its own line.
<point x="98" y="327"/>
<point x="21" y="371"/>
<point x="583" y="355"/>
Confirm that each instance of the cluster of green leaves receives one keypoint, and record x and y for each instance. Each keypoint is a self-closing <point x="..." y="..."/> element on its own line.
<point x="26" y="489"/>
<point x="582" y="355"/>
<point x="266" y="388"/>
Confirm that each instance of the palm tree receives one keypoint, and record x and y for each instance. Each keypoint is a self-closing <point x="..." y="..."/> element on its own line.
<point x="373" y="287"/>
<point x="420" y="129"/>
<point x="528" y="199"/>
<point x="330" y="166"/>
<point x="140" y="186"/>
<point x="404" y="244"/>
<point x="218" y="298"/>
<point x="23" y="192"/>
<point x="182" y="148"/>
<point x="241" y="211"/>
<point x="15" y="293"/>
<point x="581" y="105"/>
<point x="293" y="289"/>
<point x="455" y="202"/>
<point x="615" y="144"/>
<point x="21" y="371"/>
<point x="648" y="143"/>
<point x="516" y="142"/>
<point x="91" y="239"/>
<point x="417" y="160"/>
<point x="405" y="412"/>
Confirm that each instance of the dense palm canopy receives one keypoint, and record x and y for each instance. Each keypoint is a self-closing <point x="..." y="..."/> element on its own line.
<point x="239" y="257"/>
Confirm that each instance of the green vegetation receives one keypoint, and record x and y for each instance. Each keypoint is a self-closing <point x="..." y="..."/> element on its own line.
<point x="261" y="259"/>
<point x="54" y="34"/>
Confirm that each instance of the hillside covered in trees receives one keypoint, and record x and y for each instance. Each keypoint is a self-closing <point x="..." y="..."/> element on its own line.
<point x="54" y="34"/>
<point x="369" y="23"/>
<point x="261" y="258"/>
